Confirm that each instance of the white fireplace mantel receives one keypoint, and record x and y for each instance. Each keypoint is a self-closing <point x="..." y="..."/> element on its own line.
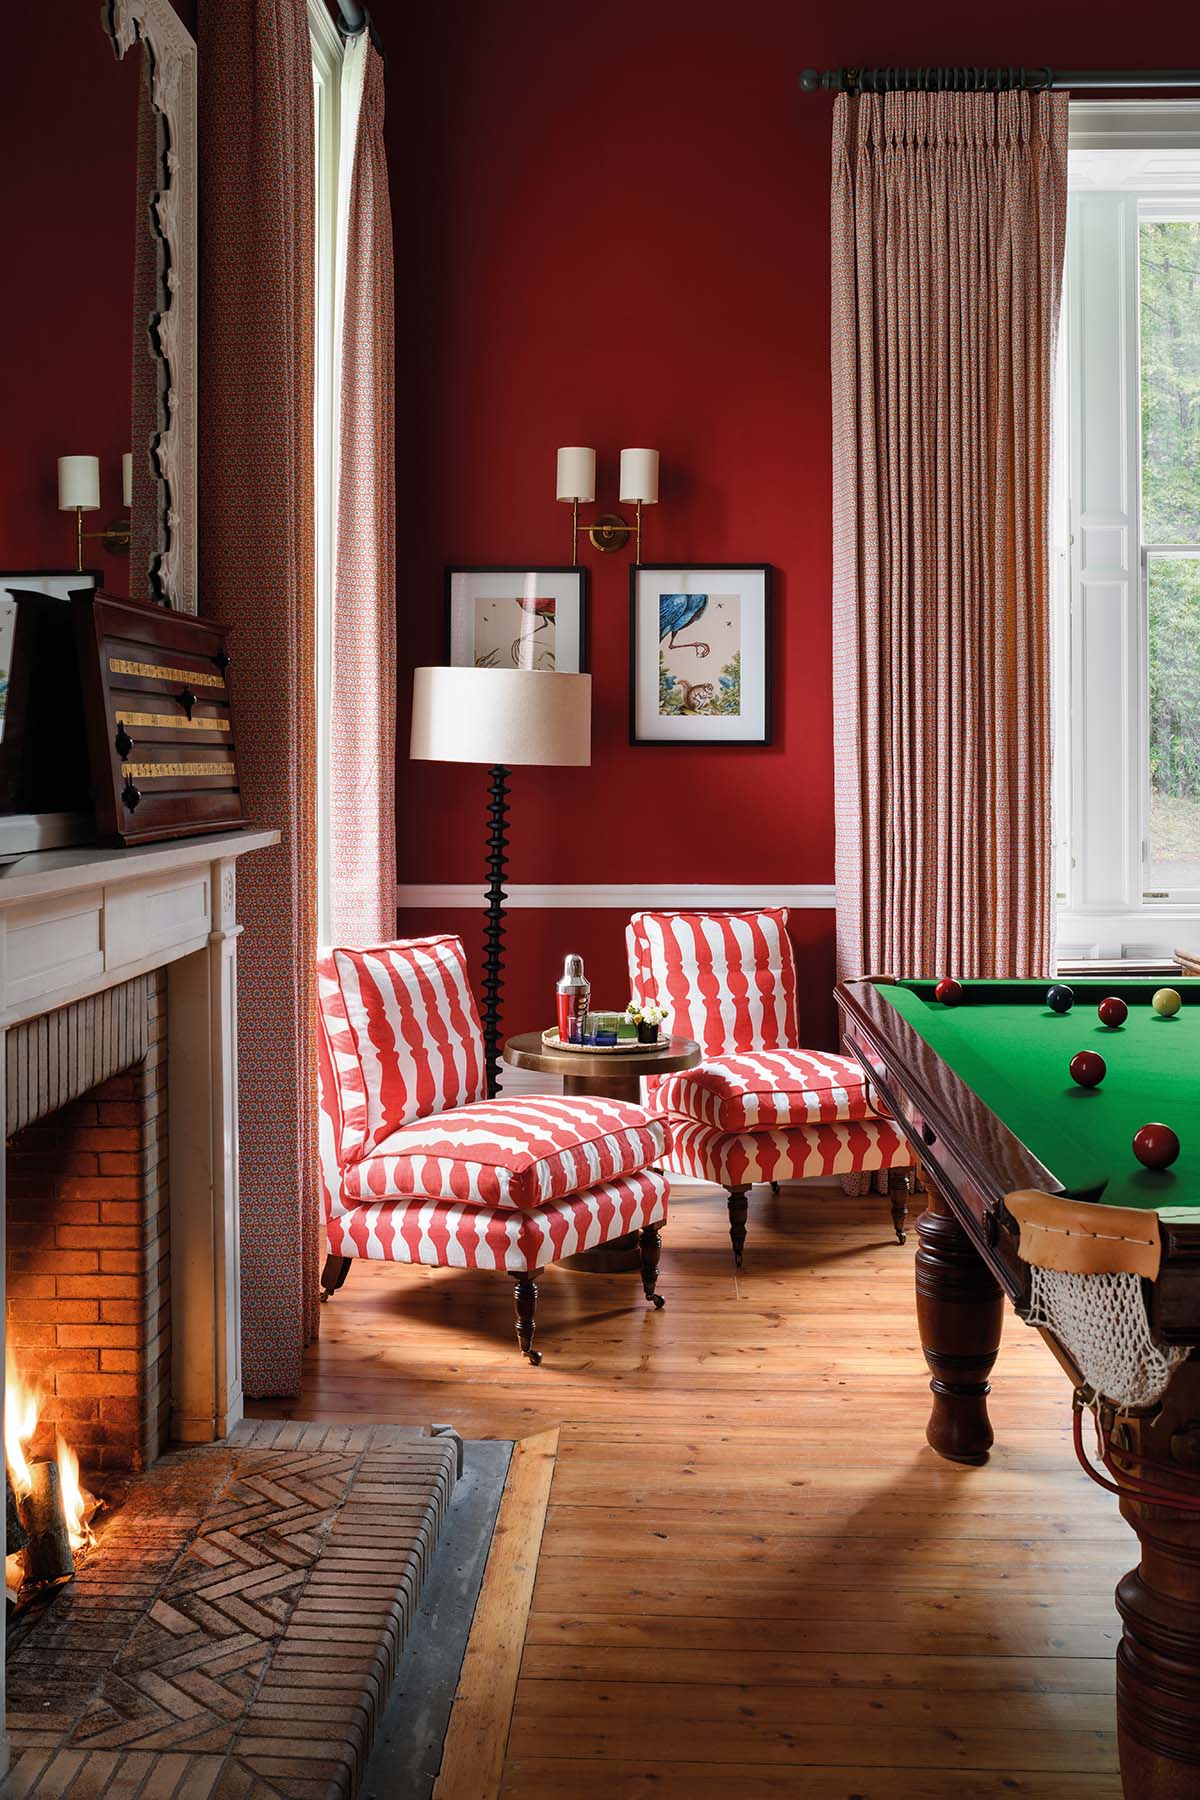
<point x="74" y="922"/>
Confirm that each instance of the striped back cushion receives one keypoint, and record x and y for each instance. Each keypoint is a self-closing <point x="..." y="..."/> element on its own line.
<point x="728" y="979"/>
<point x="416" y="1034"/>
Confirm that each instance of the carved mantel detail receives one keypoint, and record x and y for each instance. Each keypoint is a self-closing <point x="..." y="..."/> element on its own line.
<point x="171" y="53"/>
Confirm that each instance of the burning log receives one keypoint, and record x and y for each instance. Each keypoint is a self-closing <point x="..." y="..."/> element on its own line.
<point x="48" y="1555"/>
<point x="16" y="1536"/>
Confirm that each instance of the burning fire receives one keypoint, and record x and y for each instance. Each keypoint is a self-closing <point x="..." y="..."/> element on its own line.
<point x="21" y="1409"/>
<point x="20" y="1423"/>
<point x="78" y="1504"/>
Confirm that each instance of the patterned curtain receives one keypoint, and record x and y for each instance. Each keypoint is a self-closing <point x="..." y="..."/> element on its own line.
<point x="949" y="218"/>
<point x="362" y="749"/>
<point x="256" y="562"/>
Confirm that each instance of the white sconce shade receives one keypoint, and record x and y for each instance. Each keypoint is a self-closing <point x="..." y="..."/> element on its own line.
<point x="501" y="717"/>
<point x="639" y="476"/>
<point x="577" y="474"/>
<point x="78" y="483"/>
<point x="127" y="479"/>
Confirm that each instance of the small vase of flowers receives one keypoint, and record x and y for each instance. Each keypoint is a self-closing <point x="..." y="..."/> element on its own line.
<point x="647" y="1019"/>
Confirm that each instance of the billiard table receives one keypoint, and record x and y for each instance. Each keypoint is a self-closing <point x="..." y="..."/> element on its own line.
<point x="1027" y="1172"/>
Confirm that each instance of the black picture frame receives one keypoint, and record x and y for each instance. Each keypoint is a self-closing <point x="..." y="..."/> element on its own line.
<point x="697" y="741"/>
<point x="575" y="572"/>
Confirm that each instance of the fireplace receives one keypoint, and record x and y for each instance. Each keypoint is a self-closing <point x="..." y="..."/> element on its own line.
<point x="88" y="1301"/>
<point x="118" y="980"/>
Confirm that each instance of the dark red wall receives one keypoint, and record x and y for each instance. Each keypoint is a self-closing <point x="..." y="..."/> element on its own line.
<point x="613" y="228"/>
<point x="68" y="121"/>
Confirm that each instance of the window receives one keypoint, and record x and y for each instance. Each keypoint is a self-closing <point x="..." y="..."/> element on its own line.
<point x="1126" y="595"/>
<point x="327" y="86"/>
<point x="1169" y="313"/>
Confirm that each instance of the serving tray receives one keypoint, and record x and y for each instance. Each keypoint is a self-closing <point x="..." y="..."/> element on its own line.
<point x="625" y="1047"/>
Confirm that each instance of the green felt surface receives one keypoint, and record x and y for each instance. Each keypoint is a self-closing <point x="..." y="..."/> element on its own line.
<point x="1012" y="1051"/>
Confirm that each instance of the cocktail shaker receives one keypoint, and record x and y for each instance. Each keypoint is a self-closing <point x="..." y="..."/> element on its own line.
<point x="574" y="995"/>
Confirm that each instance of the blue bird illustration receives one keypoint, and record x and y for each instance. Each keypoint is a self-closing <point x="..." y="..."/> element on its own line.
<point x="675" y="613"/>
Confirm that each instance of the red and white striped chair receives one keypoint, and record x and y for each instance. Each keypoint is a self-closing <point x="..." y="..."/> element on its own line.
<point x="759" y="1108"/>
<point x="418" y="1166"/>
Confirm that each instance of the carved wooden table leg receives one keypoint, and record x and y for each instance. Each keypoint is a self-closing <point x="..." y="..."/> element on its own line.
<point x="1158" y="1658"/>
<point x="960" y="1309"/>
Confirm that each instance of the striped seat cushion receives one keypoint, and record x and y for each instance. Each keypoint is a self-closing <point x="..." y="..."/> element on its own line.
<point x="410" y="1016"/>
<point x="740" y="1158"/>
<point x="767" y="1088"/>
<point x="727" y="979"/>
<point x="518" y="1153"/>
<point x="449" y="1234"/>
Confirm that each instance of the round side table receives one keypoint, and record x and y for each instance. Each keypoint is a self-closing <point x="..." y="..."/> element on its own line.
<point x="616" y="1075"/>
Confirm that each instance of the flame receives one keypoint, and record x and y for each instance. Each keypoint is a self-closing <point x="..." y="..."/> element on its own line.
<point x="20" y="1423"/>
<point x="78" y="1505"/>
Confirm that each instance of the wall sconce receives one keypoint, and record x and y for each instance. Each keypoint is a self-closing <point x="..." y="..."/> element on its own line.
<point x="577" y="487"/>
<point x="79" y="492"/>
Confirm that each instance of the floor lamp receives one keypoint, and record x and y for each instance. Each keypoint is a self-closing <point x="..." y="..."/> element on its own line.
<point x="502" y="718"/>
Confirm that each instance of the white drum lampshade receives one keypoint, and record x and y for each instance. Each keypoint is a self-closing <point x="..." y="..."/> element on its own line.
<point x="576" y="474"/>
<point x="639" y="476"/>
<point x="503" y="718"/>
<point x="78" y="483"/>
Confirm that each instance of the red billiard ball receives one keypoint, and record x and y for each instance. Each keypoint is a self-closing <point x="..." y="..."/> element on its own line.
<point x="1113" y="1012"/>
<point x="948" y="991"/>
<point x="1156" y="1146"/>
<point x="1088" y="1068"/>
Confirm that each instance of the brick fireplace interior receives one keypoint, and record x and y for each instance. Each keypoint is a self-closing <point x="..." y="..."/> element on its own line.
<point x="88" y="1220"/>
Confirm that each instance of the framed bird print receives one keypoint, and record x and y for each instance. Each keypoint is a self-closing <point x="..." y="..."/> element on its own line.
<point x="700" y="654"/>
<point x="517" y="619"/>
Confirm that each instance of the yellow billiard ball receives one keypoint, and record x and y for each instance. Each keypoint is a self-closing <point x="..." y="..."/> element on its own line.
<point x="1166" y="1003"/>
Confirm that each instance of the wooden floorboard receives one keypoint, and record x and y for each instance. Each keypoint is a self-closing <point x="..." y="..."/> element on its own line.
<point x="755" y="1580"/>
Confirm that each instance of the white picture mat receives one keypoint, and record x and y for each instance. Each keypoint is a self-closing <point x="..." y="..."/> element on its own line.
<point x="751" y="587"/>
<point x="469" y="586"/>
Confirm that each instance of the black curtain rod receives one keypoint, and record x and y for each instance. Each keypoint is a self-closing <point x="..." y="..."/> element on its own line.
<point x="989" y="81"/>
<point x="355" y="19"/>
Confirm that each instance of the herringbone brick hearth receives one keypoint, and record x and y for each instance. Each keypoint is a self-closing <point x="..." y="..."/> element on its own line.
<point x="235" y="1632"/>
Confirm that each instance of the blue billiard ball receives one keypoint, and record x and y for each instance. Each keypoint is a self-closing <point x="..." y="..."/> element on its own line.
<point x="1059" y="998"/>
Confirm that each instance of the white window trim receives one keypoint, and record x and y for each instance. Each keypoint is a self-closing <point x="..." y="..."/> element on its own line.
<point x="339" y="71"/>
<point x="327" y="51"/>
<point x="1102" y="909"/>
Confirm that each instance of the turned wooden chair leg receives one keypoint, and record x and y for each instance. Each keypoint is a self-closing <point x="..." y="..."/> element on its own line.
<point x="333" y="1275"/>
<point x="649" y="1244"/>
<point x="897" y="1181"/>
<point x="738" y="1208"/>
<point x="526" y="1298"/>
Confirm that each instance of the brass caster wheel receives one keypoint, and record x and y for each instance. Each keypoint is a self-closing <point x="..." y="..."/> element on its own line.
<point x="326" y="1296"/>
<point x="657" y="1302"/>
<point x="535" y="1357"/>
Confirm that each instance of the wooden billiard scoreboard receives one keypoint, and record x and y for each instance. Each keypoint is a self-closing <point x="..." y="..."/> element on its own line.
<point x="159" y="717"/>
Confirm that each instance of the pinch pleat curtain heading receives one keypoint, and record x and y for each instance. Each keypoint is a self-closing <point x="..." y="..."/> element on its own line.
<point x="256" y="469"/>
<point x="361" y="759"/>
<point x="949" y="215"/>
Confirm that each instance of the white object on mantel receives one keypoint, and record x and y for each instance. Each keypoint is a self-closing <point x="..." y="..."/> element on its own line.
<point x="501" y="717"/>
<point x="127" y="479"/>
<point x="577" y="474"/>
<point x="78" y="483"/>
<point x="639" y="476"/>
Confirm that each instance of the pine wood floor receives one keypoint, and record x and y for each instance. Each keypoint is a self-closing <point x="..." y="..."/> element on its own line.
<point x="756" y="1581"/>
